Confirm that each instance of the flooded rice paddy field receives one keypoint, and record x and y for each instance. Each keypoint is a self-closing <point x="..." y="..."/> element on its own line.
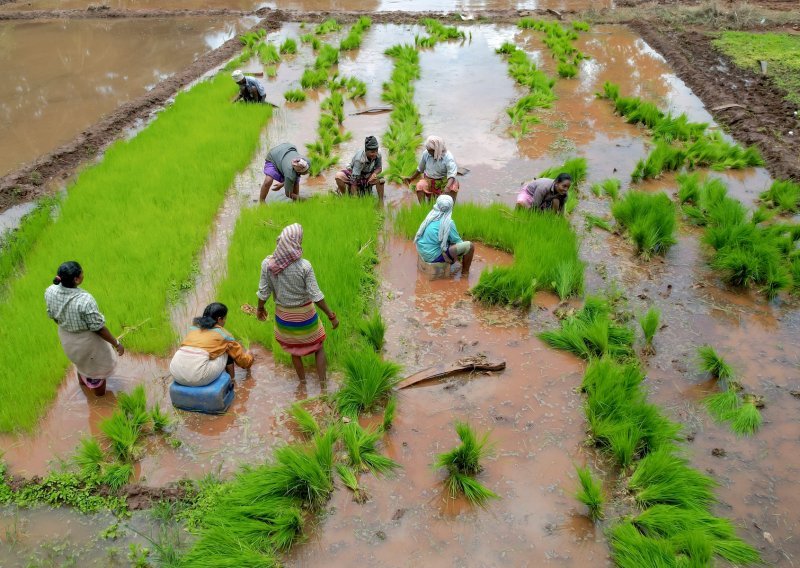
<point x="61" y="76"/>
<point x="532" y="408"/>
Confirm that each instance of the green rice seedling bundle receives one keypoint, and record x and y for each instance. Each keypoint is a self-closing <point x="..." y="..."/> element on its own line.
<point x="664" y="157"/>
<point x="567" y="70"/>
<point x="389" y="413"/>
<point x="747" y="418"/>
<point x="783" y="195"/>
<point x="294" y="96"/>
<point x="350" y="480"/>
<point x="329" y="134"/>
<point x="134" y="405"/>
<point x="304" y="419"/>
<point x="16" y="244"/>
<point x="722" y="406"/>
<point x="631" y="549"/>
<point x="160" y="420"/>
<point x="440" y="32"/>
<point x="288" y="47"/>
<point x="592" y="332"/>
<point x="251" y="39"/>
<point x="327" y="57"/>
<point x="664" y="477"/>
<point x="328" y="26"/>
<point x="713" y="364"/>
<point x="353" y="38"/>
<point x="315" y="42"/>
<point x="523" y="70"/>
<point x="590" y="493"/>
<point x="559" y="39"/>
<point x="404" y="134"/>
<point x="355" y="88"/>
<point x="271" y="71"/>
<point x="611" y="187"/>
<point x="268" y="54"/>
<point x="544" y="246"/>
<point x="313" y="78"/>
<point x="368" y="382"/>
<point x="362" y="452"/>
<point x="595" y="221"/>
<point x="115" y="475"/>
<point x="507" y="48"/>
<point x="89" y="457"/>
<point x="580" y="26"/>
<point x="649" y="219"/>
<point x="714" y="152"/>
<point x="130" y="274"/>
<point x="678" y="128"/>
<point x="649" y="322"/>
<point x="344" y="266"/>
<point x="464" y="462"/>
<point x="374" y="330"/>
<point x="123" y="435"/>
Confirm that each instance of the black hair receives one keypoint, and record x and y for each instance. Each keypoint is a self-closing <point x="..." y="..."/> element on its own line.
<point x="210" y="315"/>
<point x="563" y="177"/>
<point x="68" y="273"/>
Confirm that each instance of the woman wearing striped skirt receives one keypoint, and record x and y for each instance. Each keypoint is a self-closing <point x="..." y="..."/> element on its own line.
<point x="291" y="280"/>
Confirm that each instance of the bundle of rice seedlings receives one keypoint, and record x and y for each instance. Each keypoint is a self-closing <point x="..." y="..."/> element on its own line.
<point x="506" y="49"/>
<point x="746" y="419"/>
<point x="610" y="187"/>
<point x="368" y="382"/>
<point x="722" y="406"/>
<point x="89" y="457"/>
<point x="672" y="129"/>
<point x="783" y="195"/>
<point x="328" y="26"/>
<point x="160" y="419"/>
<point x="649" y="220"/>
<point x="251" y="39"/>
<point x="350" y="480"/>
<point x="315" y="42"/>
<point x="304" y="419"/>
<point x="219" y="546"/>
<point x="463" y="462"/>
<point x="313" y="78"/>
<point x="595" y="221"/>
<point x="440" y="32"/>
<point x="123" y="435"/>
<point x="374" y="330"/>
<point x="115" y="475"/>
<point x="664" y="157"/>
<point x="294" y="96"/>
<point x="567" y="70"/>
<point x="580" y="26"/>
<point x="353" y="38"/>
<point x="666" y="478"/>
<point x="268" y="54"/>
<point x="389" y="413"/>
<point x="523" y="70"/>
<point x="301" y="472"/>
<point x="362" y="452"/>
<point x="356" y="88"/>
<point x="713" y="364"/>
<point x="590" y="493"/>
<point x="288" y="47"/>
<point x="649" y="322"/>
<point x="631" y="549"/>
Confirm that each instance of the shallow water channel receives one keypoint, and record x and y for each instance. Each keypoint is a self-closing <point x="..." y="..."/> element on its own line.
<point x="532" y="408"/>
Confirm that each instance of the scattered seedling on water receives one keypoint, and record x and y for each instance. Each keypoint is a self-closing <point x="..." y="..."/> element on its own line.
<point x="328" y="26"/>
<point x="464" y="462"/>
<point x="590" y="493"/>
<point x="595" y="221"/>
<point x="649" y="219"/>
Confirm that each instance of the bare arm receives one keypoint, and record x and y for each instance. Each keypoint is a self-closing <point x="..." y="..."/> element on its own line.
<point x="109" y="338"/>
<point x="323" y="305"/>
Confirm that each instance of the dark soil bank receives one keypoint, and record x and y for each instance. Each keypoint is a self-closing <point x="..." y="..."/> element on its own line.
<point x="764" y="117"/>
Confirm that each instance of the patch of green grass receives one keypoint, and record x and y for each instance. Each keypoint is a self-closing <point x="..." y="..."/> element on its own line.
<point x="200" y="128"/>
<point x="344" y="266"/>
<point x="374" y="330"/>
<point x="783" y="195"/>
<point x="368" y="382"/>
<point x="66" y="489"/>
<point x="544" y="246"/>
<point x="781" y="51"/>
<point x="649" y="219"/>
<point x="464" y="462"/>
<point x="590" y="493"/>
<point x="288" y="47"/>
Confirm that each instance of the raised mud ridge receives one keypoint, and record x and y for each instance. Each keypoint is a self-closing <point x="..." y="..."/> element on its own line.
<point x="763" y="117"/>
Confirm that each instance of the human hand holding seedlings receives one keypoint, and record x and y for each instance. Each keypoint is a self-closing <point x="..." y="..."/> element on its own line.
<point x="261" y="312"/>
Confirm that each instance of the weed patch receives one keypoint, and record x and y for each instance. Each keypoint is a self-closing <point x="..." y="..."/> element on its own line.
<point x="131" y="273"/>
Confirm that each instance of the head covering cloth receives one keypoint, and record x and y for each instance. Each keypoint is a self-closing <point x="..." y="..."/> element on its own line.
<point x="436" y="144"/>
<point x="304" y="165"/>
<point x="288" y="250"/>
<point x="443" y="212"/>
<point x="371" y="143"/>
<point x="238" y="76"/>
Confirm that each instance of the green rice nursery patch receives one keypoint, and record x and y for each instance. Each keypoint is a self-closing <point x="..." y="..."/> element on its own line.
<point x="128" y="267"/>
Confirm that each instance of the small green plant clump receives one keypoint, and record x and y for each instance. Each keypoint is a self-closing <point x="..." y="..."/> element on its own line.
<point x="374" y="330"/>
<point x="288" y="47"/>
<point x="649" y="322"/>
<point x="368" y="382"/>
<point x="649" y="219"/>
<point x="404" y="134"/>
<point x="713" y="364"/>
<point x="609" y="187"/>
<point x="437" y="32"/>
<point x="783" y="195"/>
<point x="524" y="71"/>
<point x="294" y="96"/>
<point x="305" y="421"/>
<point x="745" y="252"/>
<point x="353" y="38"/>
<point x="590" y="493"/>
<point x="559" y="39"/>
<point x="361" y="446"/>
<point x="544" y="246"/>
<point x="679" y="142"/>
<point x="315" y="42"/>
<point x="328" y="26"/>
<point x="268" y="54"/>
<point x="463" y="463"/>
<point x="595" y="221"/>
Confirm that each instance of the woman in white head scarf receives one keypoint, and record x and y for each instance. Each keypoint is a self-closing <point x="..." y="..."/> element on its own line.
<point x="437" y="238"/>
<point x="438" y="170"/>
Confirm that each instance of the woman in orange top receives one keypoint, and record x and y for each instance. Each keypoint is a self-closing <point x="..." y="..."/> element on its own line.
<point x="207" y="350"/>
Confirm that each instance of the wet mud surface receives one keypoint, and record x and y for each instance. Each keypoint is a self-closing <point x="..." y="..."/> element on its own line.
<point x="766" y="119"/>
<point x="532" y="409"/>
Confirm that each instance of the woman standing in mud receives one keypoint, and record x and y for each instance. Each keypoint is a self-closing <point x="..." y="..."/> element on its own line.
<point x="292" y="281"/>
<point x="86" y="340"/>
<point x="438" y="170"/>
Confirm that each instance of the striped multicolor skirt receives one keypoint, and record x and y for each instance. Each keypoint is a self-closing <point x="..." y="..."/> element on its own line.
<point x="298" y="329"/>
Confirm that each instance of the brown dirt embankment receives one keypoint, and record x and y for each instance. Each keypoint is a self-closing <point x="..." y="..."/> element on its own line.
<point x="37" y="178"/>
<point x="764" y="118"/>
<point x="104" y="12"/>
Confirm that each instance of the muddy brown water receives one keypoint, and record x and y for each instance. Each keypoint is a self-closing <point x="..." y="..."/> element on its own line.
<point x="59" y="77"/>
<point x="532" y="410"/>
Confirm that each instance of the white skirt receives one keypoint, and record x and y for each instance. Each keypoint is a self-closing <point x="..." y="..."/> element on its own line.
<point x="192" y="367"/>
<point x="93" y="356"/>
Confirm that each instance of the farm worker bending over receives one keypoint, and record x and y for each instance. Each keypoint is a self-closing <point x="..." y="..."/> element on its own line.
<point x="82" y="328"/>
<point x="545" y="194"/>
<point x="207" y="350"/>
<point x="285" y="166"/>
<point x="250" y="90"/>
<point x="291" y="280"/>
<point x="438" y="240"/>
<point x="363" y="172"/>
<point x="438" y="169"/>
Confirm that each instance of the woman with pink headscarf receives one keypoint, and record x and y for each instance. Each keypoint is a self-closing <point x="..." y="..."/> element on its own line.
<point x="291" y="280"/>
<point x="438" y="170"/>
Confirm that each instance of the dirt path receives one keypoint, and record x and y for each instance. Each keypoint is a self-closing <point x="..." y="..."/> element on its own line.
<point x="103" y="12"/>
<point x="766" y="119"/>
